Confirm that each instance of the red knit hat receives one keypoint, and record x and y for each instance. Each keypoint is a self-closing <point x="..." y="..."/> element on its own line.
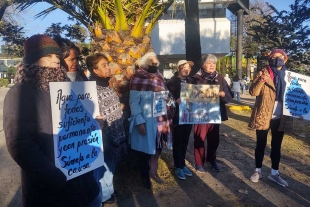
<point x="38" y="46"/>
<point x="278" y="51"/>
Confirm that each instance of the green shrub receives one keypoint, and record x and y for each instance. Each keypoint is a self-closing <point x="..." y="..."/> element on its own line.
<point x="4" y="82"/>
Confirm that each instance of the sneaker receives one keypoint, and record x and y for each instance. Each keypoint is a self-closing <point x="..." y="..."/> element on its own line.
<point x="180" y="174"/>
<point x="200" y="169"/>
<point x="278" y="179"/>
<point x="256" y="176"/>
<point x="187" y="172"/>
<point x="157" y="179"/>
<point x="214" y="166"/>
<point x="146" y="182"/>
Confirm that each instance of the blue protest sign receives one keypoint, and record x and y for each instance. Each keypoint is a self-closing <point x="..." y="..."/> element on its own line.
<point x="296" y="96"/>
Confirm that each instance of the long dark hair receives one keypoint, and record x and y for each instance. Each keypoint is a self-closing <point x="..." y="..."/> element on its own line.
<point x="65" y="46"/>
<point x="236" y="78"/>
<point x="93" y="60"/>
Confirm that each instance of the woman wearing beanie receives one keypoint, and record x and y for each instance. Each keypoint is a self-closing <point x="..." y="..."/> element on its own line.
<point x="70" y="55"/>
<point x="27" y="122"/>
<point x="113" y="133"/>
<point x="268" y="87"/>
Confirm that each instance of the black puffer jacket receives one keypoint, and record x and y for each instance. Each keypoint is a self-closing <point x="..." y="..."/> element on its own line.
<point x="27" y="122"/>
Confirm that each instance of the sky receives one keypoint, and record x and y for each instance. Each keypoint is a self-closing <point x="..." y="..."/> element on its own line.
<point x="34" y="26"/>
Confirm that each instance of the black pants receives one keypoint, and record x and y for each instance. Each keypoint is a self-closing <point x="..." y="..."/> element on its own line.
<point x="181" y="135"/>
<point x="276" y="142"/>
<point x="144" y="160"/>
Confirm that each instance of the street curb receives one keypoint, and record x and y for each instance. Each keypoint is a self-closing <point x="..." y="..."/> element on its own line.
<point x="240" y="108"/>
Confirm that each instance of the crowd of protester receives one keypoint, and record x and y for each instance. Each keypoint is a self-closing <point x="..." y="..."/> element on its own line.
<point x="28" y="120"/>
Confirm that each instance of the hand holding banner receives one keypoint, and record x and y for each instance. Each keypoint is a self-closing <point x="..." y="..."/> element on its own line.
<point x="200" y="104"/>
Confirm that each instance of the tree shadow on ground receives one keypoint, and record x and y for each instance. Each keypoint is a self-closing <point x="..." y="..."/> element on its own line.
<point x="128" y="183"/>
<point x="229" y="187"/>
<point x="242" y="157"/>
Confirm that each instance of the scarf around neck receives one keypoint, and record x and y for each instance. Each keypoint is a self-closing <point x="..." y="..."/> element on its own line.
<point x="40" y="76"/>
<point x="103" y="82"/>
<point x="145" y="81"/>
<point x="278" y="79"/>
<point x="208" y="76"/>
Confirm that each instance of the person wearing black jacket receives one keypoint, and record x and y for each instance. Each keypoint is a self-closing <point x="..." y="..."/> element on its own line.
<point x="208" y="75"/>
<point x="27" y="123"/>
<point x="181" y="133"/>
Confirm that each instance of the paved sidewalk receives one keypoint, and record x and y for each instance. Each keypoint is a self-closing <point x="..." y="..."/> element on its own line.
<point x="246" y="100"/>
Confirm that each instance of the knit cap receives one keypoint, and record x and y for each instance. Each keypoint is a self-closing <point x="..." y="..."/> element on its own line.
<point x="278" y="51"/>
<point x="38" y="46"/>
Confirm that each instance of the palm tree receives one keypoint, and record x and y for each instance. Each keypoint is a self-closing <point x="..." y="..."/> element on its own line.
<point x="120" y="29"/>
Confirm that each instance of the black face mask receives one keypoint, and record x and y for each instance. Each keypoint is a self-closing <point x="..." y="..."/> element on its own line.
<point x="277" y="62"/>
<point x="152" y="69"/>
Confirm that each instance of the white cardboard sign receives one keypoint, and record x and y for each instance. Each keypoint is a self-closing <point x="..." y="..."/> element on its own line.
<point x="297" y="95"/>
<point x="77" y="136"/>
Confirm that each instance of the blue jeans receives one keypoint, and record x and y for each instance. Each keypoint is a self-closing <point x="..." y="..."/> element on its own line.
<point x="237" y="95"/>
<point x="243" y="89"/>
<point x="104" y="177"/>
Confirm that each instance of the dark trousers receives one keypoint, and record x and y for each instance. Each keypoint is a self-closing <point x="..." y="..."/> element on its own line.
<point x="211" y="132"/>
<point x="144" y="160"/>
<point x="276" y="142"/>
<point x="181" y="135"/>
<point x="154" y="162"/>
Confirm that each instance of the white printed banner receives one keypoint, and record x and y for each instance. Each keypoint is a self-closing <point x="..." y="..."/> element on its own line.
<point x="200" y="104"/>
<point x="159" y="103"/>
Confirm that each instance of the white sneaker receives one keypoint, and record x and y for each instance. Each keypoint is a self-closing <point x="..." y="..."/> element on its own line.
<point x="256" y="176"/>
<point x="278" y="179"/>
